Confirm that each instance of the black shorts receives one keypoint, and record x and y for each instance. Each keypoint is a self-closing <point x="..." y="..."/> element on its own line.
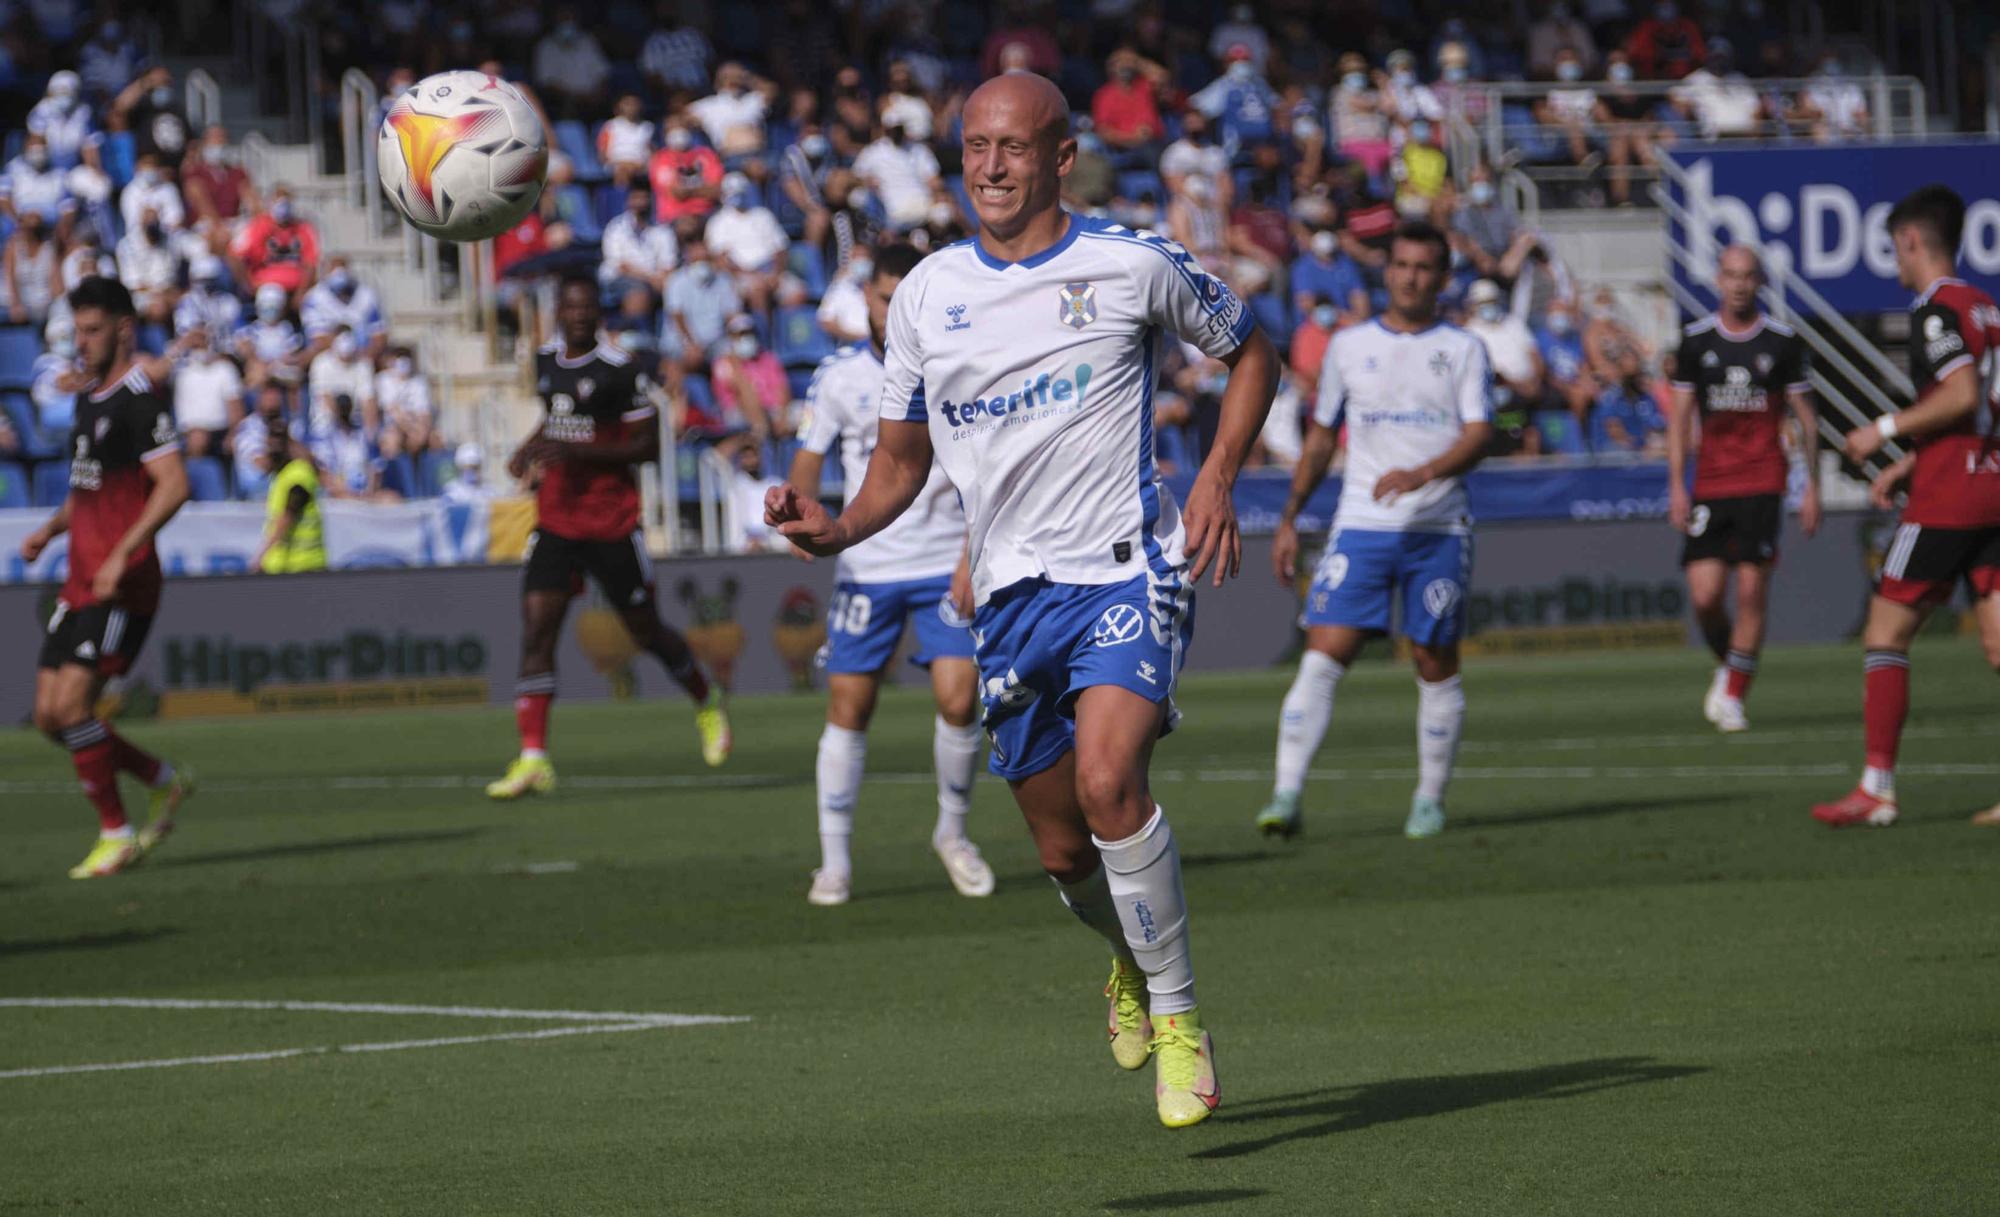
<point x="1735" y="530"/>
<point x="1925" y="565"/>
<point x="622" y="570"/>
<point x="103" y="637"/>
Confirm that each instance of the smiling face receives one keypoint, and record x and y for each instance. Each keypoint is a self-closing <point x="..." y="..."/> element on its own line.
<point x="1017" y="151"/>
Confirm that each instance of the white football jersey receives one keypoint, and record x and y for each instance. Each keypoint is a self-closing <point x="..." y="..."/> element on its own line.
<point x="843" y="407"/>
<point x="1407" y="398"/>
<point x="1036" y="380"/>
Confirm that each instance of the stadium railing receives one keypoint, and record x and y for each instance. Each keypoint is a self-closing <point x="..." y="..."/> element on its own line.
<point x="283" y="59"/>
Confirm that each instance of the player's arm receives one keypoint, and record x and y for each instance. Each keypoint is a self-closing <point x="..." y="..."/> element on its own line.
<point x="1807" y="413"/>
<point x="1954" y="400"/>
<point x="805" y="472"/>
<point x="897" y="471"/>
<point x="1315" y="456"/>
<point x="1680" y="425"/>
<point x="170" y="490"/>
<point x="1882" y="491"/>
<point x="1210" y="516"/>
<point x="56" y="525"/>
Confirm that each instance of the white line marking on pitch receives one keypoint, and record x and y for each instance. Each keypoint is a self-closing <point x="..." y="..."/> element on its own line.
<point x="592" y="1022"/>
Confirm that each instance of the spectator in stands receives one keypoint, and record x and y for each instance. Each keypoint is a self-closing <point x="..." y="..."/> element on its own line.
<point x="403" y="395"/>
<point x="1624" y="418"/>
<point x="341" y="301"/>
<point x="1630" y="132"/>
<point x="31" y="184"/>
<point x="1196" y="154"/>
<point x="343" y="369"/>
<point x="903" y="175"/>
<point x="217" y="191"/>
<point x="208" y="312"/>
<point x="570" y="67"/>
<point x="65" y="121"/>
<point x="733" y="116"/>
<point x="750" y="386"/>
<point x="853" y="105"/>
<point x="341" y="446"/>
<point x="803" y="170"/>
<point x="208" y="400"/>
<point x="1486" y="230"/>
<point x="148" y="109"/>
<point x="677" y="53"/>
<point x="1261" y="233"/>
<point x="1667" y="45"/>
<point x="1021" y="41"/>
<point x="109" y="61"/>
<point x="686" y="177"/>
<point x="1407" y="98"/>
<point x="804" y="48"/>
<point x="843" y="310"/>
<point x="1319" y="320"/>
<point x="270" y="346"/>
<point x="635" y="327"/>
<point x="1419" y="170"/>
<point x="294" y="542"/>
<point x="1282" y="439"/>
<point x="625" y="141"/>
<point x="52" y="387"/>
<point x="700" y="301"/>
<point x="1510" y="345"/>
<point x="1611" y="350"/>
<point x="149" y="266"/>
<point x="1323" y="272"/>
<point x="1557" y="31"/>
<point x="1560" y="344"/>
<point x="1198" y="222"/>
<point x="1090" y="184"/>
<point x="251" y="447"/>
<point x="748" y="241"/>
<point x="1367" y="225"/>
<point x="1360" y="115"/>
<point x="747" y="532"/>
<point x="1241" y="104"/>
<point x="1723" y="103"/>
<point x="152" y="189"/>
<point x="468" y="483"/>
<point x="903" y="103"/>
<point x="29" y="274"/>
<point x="1832" y="107"/>
<point x="638" y="252"/>
<point x="1457" y="90"/>
<point x="1241" y="32"/>
<point x="1570" y="108"/>
<point x="85" y="256"/>
<point x="1126" y="107"/>
<point x="277" y="246"/>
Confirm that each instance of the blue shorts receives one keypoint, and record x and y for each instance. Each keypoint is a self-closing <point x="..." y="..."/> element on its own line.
<point x="1364" y="573"/>
<point x="1041" y="644"/>
<point x="866" y="622"/>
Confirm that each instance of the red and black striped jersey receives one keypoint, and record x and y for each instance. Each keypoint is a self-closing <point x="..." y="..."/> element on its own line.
<point x="118" y="429"/>
<point x="1956" y="482"/>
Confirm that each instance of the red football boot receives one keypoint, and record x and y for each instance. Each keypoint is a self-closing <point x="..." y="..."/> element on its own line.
<point x="1855" y="808"/>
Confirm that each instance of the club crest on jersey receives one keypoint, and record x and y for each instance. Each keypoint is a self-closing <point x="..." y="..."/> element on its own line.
<point x="1709" y="359"/>
<point x="1119" y="624"/>
<point x="1440" y="364"/>
<point x="1078" y="304"/>
<point x="1764" y="365"/>
<point x="103" y="425"/>
<point x="584" y="388"/>
<point x="957" y="314"/>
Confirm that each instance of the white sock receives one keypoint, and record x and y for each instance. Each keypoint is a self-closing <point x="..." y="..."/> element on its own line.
<point x="842" y="755"/>
<point x="1144" y="874"/>
<point x="1302" y="725"/>
<point x="122" y="833"/>
<point x="164" y="778"/>
<point x="1090" y="900"/>
<point x="1440" y="718"/>
<point x="534" y="754"/>
<point x="955" y="753"/>
<point x="1879" y="782"/>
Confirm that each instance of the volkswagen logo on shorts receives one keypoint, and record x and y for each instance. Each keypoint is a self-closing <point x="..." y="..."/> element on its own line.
<point x="948" y="613"/>
<point x="1440" y="597"/>
<point x="1120" y="623"/>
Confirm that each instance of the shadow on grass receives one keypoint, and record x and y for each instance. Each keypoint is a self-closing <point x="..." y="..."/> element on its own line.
<point x="307" y="849"/>
<point x="1592" y="809"/>
<point x="1162" y="1201"/>
<point x="84" y="942"/>
<point x="1339" y="1109"/>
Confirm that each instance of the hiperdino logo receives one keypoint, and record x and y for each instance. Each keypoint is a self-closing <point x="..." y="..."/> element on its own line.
<point x="360" y="655"/>
<point x="1574" y="602"/>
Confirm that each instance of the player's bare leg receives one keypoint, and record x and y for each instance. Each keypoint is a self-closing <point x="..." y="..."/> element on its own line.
<point x="1885" y="704"/>
<point x="955" y="740"/>
<point x="1708" y="595"/>
<point x="843" y="754"/>
<point x="531" y="772"/>
<point x="1988" y="611"/>
<point x="1111" y="851"/>
<point x="1302" y="722"/>
<point x="666" y="644"/>
<point x="1440" y="723"/>
<point x="1746" y="644"/>
<point x="65" y="700"/>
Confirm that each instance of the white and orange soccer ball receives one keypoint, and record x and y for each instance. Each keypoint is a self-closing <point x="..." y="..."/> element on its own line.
<point x="462" y="155"/>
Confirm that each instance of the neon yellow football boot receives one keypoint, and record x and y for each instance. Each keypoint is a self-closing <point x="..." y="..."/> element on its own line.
<point x="712" y="720"/>
<point x="1185" y="1085"/>
<point x="1130" y="1030"/>
<point x="162" y="805"/>
<point x="109" y="856"/>
<point x="527" y="775"/>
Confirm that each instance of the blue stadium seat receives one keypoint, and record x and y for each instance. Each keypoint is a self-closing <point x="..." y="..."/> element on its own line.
<point x="13" y="485"/>
<point x="51" y="484"/>
<point x="434" y="469"/>
<point x="799" y="342"/>
<point x="19" y="344"/>
<point x="153" y="338"/>
<point x="37" y="441"/>
<point x="1140" y="184"/>
<point x="576" y="144"/>
<point x="16" y="140"/>
<point x="208" y="482"/>
<point x="832" y="479"/>
<point x="609" y="201"/>
<point x="399" y="474"/>
<point x="1273" y="315"/>
<point x="799" y="380"/>
<point x="808" y="264"/>
<point x="1172" y="445"/>
<point x="574" y="204"/>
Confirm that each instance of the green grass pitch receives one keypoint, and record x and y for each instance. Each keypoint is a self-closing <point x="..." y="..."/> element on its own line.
<point x="1631" y="977"/>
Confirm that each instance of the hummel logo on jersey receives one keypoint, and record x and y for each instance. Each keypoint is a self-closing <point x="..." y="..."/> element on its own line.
<point x="957" y="314"/>
<point x="1120" y="624"/>
<point x="1078" y="304"/>
<point x="1035" y="391"/>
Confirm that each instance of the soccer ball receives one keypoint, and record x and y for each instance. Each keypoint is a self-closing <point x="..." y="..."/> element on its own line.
<point x="462" y="155"/>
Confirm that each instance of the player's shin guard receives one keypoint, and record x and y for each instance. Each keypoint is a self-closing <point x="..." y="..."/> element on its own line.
<point x="842" y="756"/>
<point x="955" y="753"/>
<point x="1440" y="719"/>
<point x="1302" y="723"/>
<point x="1885" y="704"/>
<point x="1090" y="899"/>
<point x="1144" y="874"/>
<point x="532" y="697"/>
<point x="95" y="758"/>
<point x="1742" y="669"/>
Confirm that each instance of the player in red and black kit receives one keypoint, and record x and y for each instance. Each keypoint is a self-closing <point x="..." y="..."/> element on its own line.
<point x="126" y="480"/>
<point x="1736" y="370"/>
<point x="599" y="428"/>
<point x="1950" y="531"/>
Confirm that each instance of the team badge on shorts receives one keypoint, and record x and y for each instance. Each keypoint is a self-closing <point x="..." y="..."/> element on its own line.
<point x="1079" y="304"/>
<point x="1440" y="598"/>
<point x="1120" y="623"/>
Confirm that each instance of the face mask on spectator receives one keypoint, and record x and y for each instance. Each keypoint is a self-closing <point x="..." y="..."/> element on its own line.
<point x="703" y="272"/>
<point x="404" y="365"/>
<point x="1560" y="324"/>
<point x="63" y="345"/>
<point x="1305" y="129"/>
<point x="162" y="97"/>
<point x="1489" y="312"/>
<point x="270" y="308"/>
<point x="146" y="177"/>
<point x="859" y="198"/>
<point x="37" y="157"/>
<point x="340" y="281"/>
<point x="566" y="31"/>
<point x="213" y="153"/>
<point x="1569" y="69"/>
<point x="1145" y="215"/>
<point x="1242" y="70"/>
<point x="281" y="211"/>
<point x="1125" y="73"/>
<point x="1324" y="244"/>
<point x="344" y="346"/>
<point x="1198" y="189"/>
<point x="744" y="345"/>
<point x="940" y="214"/>
<point x="814" y="146"/>
<point x="736" y="200"/>
<point x="1356" y="81"/>
<point x="1456" y="74"/>
<point x="1830" y="67"/>
<point x="1481" y="193"/>
<point x="1619" y="73"/>
<point x="1420" y="131"/>
<point x="678" y="139"/>
<point x="1404" y="78"/>
<point x="1324" y="316"/>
